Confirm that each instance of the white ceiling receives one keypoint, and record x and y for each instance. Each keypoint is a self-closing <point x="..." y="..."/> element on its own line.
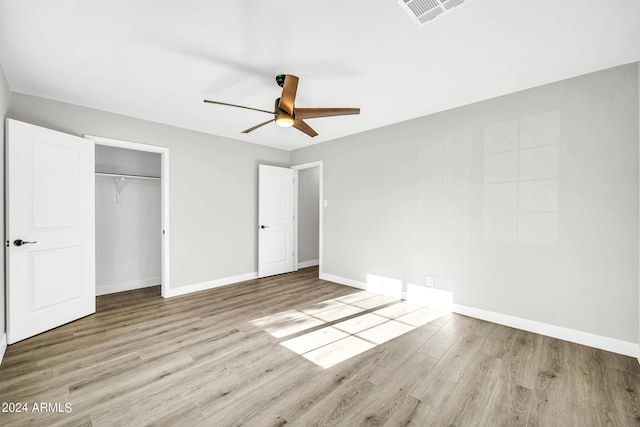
<point x="157" y="60"/>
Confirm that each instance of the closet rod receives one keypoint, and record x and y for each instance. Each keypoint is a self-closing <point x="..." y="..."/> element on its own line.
<point x="119" y="175"/>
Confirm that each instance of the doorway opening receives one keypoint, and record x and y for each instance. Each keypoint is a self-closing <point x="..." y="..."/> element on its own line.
<point x="132" y="216"/>
<point x="308" y="218"/>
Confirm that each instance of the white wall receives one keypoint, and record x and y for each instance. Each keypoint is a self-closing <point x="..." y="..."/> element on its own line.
<point x="213" y="189"/>
<point x="525" y="205"/>
<point x="128" y="228"/>
<point x="308" y="214"/>
<point x="5" y="98"/>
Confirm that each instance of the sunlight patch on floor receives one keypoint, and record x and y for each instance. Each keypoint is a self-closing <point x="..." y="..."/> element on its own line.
<point x="360" y="323"/>
<point x="293" y="326"/>
<point x="274" y="319"/>
<point x="313" y="340"/>
<point x="385" y="332"/>
<point x="338" y="351"/>
<point x="339" y="313"/>
<point x="323" y="306"/>
<point x="374" y="302"/>
<point x="371" y="318"/>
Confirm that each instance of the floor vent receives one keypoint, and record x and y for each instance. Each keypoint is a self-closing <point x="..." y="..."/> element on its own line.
<point x="423" y="11"/>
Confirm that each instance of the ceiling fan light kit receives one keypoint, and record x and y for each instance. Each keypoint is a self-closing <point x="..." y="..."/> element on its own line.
<point x="284" y="121"/>
<point x="286" y="115"/>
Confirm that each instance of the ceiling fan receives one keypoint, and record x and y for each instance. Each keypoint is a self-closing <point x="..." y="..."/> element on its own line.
<point x="286" y="115"/>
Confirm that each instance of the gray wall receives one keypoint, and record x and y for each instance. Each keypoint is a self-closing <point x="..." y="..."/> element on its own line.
<point x="525" y="205"/>
<point x="213" y="190"/>
<point x="308" y="214"/>
<point x="5" y="98"/>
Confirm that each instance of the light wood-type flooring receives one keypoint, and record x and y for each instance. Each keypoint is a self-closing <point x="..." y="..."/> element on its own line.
<point x="296" y="350"/>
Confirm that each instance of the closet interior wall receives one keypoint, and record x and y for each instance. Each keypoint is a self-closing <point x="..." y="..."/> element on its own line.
<point x="308" y="217"/>
<point x="128" y="219"/>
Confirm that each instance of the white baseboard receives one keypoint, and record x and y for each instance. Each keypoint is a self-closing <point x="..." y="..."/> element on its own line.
<point x="597" y="341"/>
<point x="3" y="346"/>
<point x="343" y="281"/>
<point x="127" y="286"/>
<point x="182" y="290"/>
<point x="311" y="263"/>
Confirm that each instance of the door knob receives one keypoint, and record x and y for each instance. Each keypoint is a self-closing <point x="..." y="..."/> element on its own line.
<point x="20" y="242"/>
<point x="264" y="226"/>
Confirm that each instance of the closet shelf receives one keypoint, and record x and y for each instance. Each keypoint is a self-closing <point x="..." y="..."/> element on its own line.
<point x="119" y="175"/>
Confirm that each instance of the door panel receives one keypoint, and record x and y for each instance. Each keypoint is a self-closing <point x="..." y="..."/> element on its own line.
<point x="55" y="205"/>
<point x="50" y="205"/>
<point x="275" y="220"/>
<point x="47" y="287"/>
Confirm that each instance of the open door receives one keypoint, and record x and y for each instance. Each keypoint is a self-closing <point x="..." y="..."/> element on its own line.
<point x="275" y="220"/>
<point x="50" y="229"/>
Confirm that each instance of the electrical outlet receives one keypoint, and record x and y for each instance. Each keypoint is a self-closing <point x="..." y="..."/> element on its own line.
<point x="430" y="281"/>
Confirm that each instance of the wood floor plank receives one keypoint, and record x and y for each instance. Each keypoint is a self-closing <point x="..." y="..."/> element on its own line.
<point x="250" y="399"/>
<point x="333" y="408"/>
<point x="306" y="391"/>
<point x="468" y="400"/>
<point x="438" y="345"/>
<point x="387" y="398"/>
<point x="240" y="355"/>
<point x="509" y="405"/>
<point x="554" y="399"/>
<point x="412" y="412"/>
<point x="622" y="401"/>
<point x="435" y="387"/>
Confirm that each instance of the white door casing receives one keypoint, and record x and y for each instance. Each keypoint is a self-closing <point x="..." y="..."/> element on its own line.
<point x="275" y="220"/>
<point x="49" y="201"/>
<point x="165" y="286"/>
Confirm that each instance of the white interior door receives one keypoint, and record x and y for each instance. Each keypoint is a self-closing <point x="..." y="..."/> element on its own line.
<point x="50" y="229"/>
<point x="275" y="220"/>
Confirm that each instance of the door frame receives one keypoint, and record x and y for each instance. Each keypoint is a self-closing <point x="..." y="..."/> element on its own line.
<point x="165" y="286"/>
<point x="297" y="168"/>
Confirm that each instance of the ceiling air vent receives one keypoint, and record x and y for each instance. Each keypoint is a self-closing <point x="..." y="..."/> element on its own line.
<point x="422" y="11"/>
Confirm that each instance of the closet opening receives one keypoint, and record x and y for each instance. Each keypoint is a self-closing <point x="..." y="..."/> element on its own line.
<point x="131" y="216"/>
<point x="308" y="205"/>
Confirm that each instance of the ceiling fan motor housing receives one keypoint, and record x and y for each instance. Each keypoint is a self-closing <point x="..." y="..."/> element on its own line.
<point x="280" y="79"/>
<point x="279" y="111"/>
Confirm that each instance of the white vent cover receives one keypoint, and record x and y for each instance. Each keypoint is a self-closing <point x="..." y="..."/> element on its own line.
<point x="422" y="11"/>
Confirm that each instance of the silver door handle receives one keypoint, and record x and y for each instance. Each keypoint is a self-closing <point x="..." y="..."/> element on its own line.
<point x="20" y="242"/>
<point x="264" y="226"/>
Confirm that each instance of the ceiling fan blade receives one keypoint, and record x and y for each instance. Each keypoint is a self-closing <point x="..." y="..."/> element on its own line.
<point x="258" y="126"/>
<point x="239" y="106"/>
<point x="288" y="97"/>
<point x="311" y="113"/>
<point x="303" y="127"/>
